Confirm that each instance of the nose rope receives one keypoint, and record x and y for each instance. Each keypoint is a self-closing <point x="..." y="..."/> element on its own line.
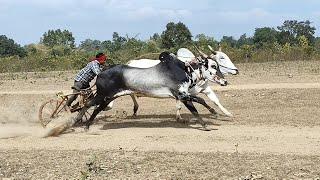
<point x="215" y="76"/>
<point x="227" y="67"/>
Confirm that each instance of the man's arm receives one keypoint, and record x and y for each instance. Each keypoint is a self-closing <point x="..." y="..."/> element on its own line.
<point x="96" y="68"/>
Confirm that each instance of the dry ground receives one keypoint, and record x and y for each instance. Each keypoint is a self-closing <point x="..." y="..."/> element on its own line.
<point x="275" y="131"/>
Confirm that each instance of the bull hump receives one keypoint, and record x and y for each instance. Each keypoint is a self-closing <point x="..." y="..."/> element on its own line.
<point x="164" y="56"/>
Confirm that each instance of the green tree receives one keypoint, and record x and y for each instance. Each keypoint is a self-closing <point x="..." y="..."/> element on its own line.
<point x="36" y="49"/>
<point x="291" y="30"/>
<point x="229" y="41"/>
<point x="9" y="48"/>
<point x="244" y="40"/>
<point x="155" y="41"/>
<point x="151" y="47"/>
<point x="285" y="37"/>
<point x="247" y="51"/>
<point x="90" y="45"/>
<point x="58" y="38"/>
<point x="304" y="44"/>
<point x="60" y="51"/>
<point x="107" y="45"/>
<point x="134" y="45"/>
<point x="175" y="35"/>
<point x="317" y="44"/>
<point x="155" y="37"/>
<point x="264" y="36"/>
<point x="118" y="41"/>
<point x="202" y="41"/>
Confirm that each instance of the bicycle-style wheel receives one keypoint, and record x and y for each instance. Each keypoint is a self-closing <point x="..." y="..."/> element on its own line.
<point x="51" y="110"/>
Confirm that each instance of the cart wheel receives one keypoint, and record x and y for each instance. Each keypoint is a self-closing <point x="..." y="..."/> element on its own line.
<point x="51" y="110"/>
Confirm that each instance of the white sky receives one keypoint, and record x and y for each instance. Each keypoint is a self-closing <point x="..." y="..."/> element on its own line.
<point x="25" y="21"/>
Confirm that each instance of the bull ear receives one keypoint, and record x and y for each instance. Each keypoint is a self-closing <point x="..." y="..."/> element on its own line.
<point x="220" y="48"/>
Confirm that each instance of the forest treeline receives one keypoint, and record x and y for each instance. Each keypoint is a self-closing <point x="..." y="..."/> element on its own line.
<point x="292" y="41"/>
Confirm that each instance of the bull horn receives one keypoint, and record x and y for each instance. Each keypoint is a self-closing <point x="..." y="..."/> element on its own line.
<point x="220" y="48"/>
<point x="211" y="49"/>
<point x="201" y="53"/>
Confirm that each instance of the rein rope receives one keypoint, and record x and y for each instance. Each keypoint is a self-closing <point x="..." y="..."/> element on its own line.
<point x="226" y="67"/>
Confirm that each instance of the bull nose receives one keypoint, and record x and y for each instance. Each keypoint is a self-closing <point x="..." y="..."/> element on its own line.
<point x="237" y="72"/>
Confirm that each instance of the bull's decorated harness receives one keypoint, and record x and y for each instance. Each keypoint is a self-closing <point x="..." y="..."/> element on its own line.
<point x="193" y="75"/>
<point x="190" y="70"/>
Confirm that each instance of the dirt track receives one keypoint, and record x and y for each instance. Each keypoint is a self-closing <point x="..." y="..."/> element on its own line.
<point x="275" y="133"/>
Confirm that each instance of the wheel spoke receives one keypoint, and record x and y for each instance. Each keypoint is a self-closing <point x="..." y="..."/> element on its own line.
<point x="52" y="110"/>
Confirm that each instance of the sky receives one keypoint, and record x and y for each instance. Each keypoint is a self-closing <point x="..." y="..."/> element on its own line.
<point x="25" y="21"/>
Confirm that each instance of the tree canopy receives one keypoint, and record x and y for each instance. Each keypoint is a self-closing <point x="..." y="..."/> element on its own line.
<point x="57" y="49"/>
<point x="265" y="35"/>
<point x="58" y="38"/>
<point x="9" y="48"/>
<point x="90" y="45"/>
<point x="291" y="30"/>
<point x="175" y="35"/>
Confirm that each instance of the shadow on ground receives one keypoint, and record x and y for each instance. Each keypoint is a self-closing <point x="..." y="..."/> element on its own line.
<point x="159" y="121"/>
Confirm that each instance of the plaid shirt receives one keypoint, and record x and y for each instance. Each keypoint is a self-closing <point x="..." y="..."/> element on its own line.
<point x="89" y="72"/>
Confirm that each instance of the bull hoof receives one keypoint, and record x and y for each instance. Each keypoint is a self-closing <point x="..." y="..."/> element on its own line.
<point x="107" y="108"/>
<point x="204" y="125"/>
<point x="86" y="128"/>
<point x="178" y="117"/>
<point x="206" y="129"/>
<point x="214" y="116"/>
<point x="182" y="121"/>
<point x="213" y="111"/>
<point x="229" y="115"/>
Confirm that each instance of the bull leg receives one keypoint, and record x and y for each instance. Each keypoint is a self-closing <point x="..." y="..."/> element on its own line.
<point x="213" y="97"/>
<point x="87" y="105"/>
<point x="198" y="100"/>
<point x="101" y="107"/>
<point x="178" y="115"/>
<point x="109" y="106"/>
<point x="135" y="104"/>
<point x="94" y="101"/>
<point x="203" y="102"/>
<point x="194" y="111"/>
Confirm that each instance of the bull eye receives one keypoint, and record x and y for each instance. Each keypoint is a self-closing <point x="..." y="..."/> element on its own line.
<point x="214" y="66"/>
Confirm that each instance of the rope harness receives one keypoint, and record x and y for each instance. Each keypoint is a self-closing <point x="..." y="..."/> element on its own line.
<point x="199" y="76"/>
